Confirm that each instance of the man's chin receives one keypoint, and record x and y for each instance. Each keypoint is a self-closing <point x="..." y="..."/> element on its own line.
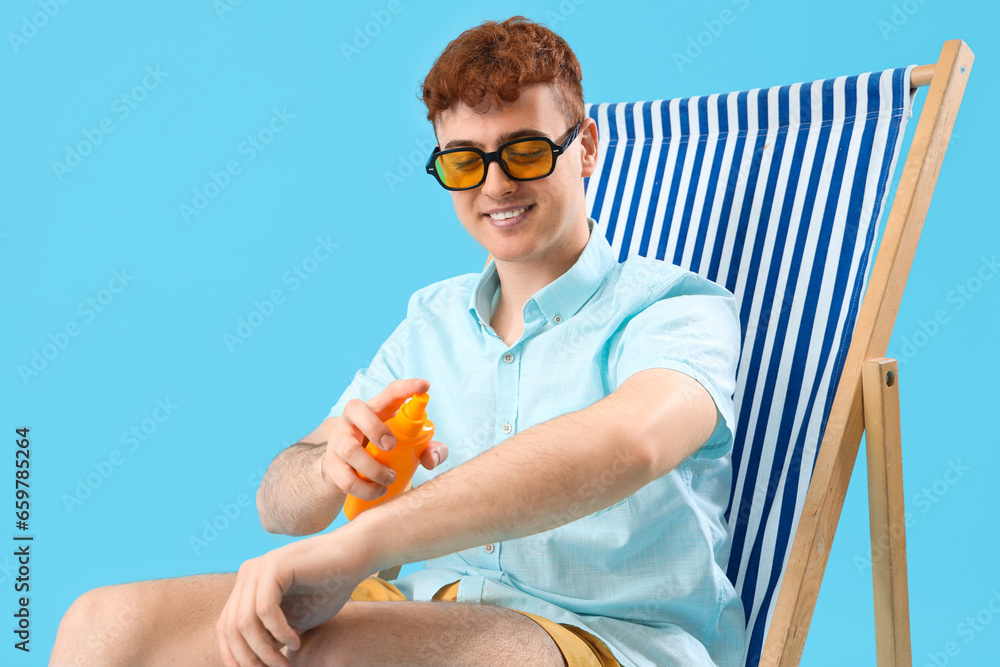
<point x="510" y="254"/>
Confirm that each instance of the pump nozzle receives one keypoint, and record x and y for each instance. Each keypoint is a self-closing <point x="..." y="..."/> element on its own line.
<point x="416" y="407"/>
<point x="411" y="417"/>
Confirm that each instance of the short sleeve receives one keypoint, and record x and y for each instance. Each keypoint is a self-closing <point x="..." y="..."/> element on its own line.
<point x="697" y="334"/>
<point x="387" y="365"/>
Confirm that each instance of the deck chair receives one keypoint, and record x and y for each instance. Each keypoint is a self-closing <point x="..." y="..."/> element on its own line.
<point x="776" y="194"/>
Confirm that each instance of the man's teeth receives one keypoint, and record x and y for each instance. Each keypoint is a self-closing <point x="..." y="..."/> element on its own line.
<point x="508" y="214"/>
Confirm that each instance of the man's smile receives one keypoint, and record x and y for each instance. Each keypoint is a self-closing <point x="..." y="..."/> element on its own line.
<point x="508" y="217"/>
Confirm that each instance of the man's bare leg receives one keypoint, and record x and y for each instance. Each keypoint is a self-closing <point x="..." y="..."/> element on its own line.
<point x="160" y="622"/>
<point x="432" y="634"/>
<point x="172" y="622"/>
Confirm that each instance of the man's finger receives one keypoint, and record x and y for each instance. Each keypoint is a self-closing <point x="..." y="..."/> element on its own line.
<point x="238" y="646"/>
<point x="245" y="656"/>
<point x="257" y="638"/>
<point x="361" y="416"/>
<point x="434" y="455"/>
<point x="226" y="626"/>
<point x="269" y="611"/>
<point x="228" y="659"/>
<point x="265" y="650"/>
<point x="387" y="402"/>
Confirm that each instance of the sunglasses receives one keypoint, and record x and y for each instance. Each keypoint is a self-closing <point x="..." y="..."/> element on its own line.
<point x="525" y="159"/>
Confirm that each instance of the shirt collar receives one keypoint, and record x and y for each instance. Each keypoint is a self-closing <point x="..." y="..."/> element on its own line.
<point x="562" y="297"/>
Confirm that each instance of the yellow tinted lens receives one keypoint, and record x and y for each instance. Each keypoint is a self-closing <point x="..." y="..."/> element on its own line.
<point x="528" y="159"/>
<point x="461" y="169"/>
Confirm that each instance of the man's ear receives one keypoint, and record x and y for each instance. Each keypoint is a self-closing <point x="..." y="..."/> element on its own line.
<point x="588" y="145"/>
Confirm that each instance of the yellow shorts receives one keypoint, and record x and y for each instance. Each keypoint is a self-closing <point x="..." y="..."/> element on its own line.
<point x="579" y="647"/>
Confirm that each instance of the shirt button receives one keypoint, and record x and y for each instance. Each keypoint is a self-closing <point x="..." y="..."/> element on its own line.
<point x="507" y="428"/>
<point x="557" y="319"/>
<point x="489" y="548"/>
<point x="508" y="357"/>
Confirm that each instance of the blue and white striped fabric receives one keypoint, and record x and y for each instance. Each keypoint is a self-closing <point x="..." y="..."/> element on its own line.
<point x="775" y="194"/>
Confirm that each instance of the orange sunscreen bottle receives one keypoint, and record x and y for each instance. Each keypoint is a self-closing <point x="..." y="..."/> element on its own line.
<point x="413" y="431"/>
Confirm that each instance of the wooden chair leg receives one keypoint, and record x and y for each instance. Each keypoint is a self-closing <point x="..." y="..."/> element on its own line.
<point x="880" y="380"/>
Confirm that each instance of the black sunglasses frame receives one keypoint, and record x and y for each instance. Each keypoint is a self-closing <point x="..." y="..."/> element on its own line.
<point x="557" y="150"/>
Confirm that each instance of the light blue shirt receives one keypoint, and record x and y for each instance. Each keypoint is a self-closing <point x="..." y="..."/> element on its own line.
<point x="647" y="574"/>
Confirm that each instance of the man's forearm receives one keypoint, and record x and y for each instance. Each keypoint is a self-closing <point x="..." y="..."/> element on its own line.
<point x="553" y="473"/>
<point x="293" y="498"/>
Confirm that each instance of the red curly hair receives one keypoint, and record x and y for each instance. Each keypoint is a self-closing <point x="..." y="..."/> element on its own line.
<point x="487" y="66"/>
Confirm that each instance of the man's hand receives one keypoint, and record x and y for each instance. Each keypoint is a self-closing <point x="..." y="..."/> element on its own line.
<point x="286" y="592"/>
<point x="305" y="486"/>
<point x="361" y="422"/>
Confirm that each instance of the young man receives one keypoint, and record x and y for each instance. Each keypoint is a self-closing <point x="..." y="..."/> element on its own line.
<point x="588" y="406"/>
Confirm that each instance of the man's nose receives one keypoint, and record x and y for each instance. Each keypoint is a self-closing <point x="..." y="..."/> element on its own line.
<point x="497" y="183"/>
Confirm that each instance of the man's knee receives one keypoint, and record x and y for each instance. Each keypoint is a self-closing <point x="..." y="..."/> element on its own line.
<point x="88" y="626"/>
<point x="84" y="610"/>
<point x="113" y="624"/>
<point x="133" y="604"/>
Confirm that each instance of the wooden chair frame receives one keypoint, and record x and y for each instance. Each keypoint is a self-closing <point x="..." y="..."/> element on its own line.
<point x="867" y="399"/>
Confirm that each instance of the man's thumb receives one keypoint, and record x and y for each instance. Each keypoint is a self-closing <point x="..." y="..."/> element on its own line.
<point x="436" y="453"/>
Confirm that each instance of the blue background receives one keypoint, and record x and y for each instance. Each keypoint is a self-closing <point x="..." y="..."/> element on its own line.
<point x="341" y="170"/>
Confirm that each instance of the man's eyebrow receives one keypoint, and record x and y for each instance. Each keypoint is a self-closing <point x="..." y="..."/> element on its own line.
<point x="504" y="138"/>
